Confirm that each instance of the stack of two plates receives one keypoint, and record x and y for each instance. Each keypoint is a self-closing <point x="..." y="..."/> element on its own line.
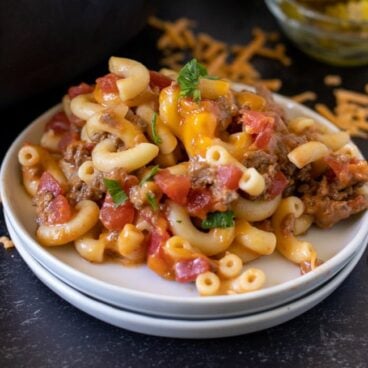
<point x="136" y="299"/>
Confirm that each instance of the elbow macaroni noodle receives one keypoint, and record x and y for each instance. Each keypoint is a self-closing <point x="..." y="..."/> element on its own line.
<point x="175" y="162"/>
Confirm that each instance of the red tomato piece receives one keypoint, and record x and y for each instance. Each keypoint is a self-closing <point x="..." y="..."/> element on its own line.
<point x="263" y="139"/>
<point x="155" y="255"/>
<point x="49" y="184"/>
<point x="340" y="168"/>
<point x="77" y="121"/>
<point x="59" y="211"/>
<point x="59" y="123"/>
<point x="81" y="89"/>
<point x="188" y="270"/>
<point x="115" y="217"/>
<point x="256" y="122"/>
<point x="279" y="183"/>
<point x="156" y="242"/>
<point x="176" y="187"/>
<point x="66" y="139"/>
<point x="159" y="80"/>
<point x="199" y="202"/>
<point x="107" y="83"/>
<point x="229" y="176"/>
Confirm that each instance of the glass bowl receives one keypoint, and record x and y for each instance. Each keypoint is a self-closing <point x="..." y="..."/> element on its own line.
<point x="330" y="39"/>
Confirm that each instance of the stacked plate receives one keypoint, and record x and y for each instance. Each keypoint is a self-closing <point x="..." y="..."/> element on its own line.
<point x="136" y="299"/>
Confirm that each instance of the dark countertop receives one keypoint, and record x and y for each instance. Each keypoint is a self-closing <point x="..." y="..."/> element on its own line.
<point x="39" y="329"/>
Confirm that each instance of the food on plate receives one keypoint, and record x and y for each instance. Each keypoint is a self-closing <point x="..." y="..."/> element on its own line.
<point x="188" y="176"/>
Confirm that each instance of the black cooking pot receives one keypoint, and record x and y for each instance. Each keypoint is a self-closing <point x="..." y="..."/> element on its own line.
<point x="46" y="42"/>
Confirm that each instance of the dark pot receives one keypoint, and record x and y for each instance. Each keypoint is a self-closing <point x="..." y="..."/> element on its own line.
<point x="44" y="43"/>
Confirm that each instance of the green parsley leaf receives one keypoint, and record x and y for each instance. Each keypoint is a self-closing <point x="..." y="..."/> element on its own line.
<point x="116" y="191"/>
<point x="152" y="201"/>
<point x="149" y="176"/>
<point x="188" y="79"/>
<point x="218" y="219"/>
<point x="155" y="137"/>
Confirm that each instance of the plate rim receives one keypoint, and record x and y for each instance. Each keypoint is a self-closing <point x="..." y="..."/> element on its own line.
<point x="208" y="328"/>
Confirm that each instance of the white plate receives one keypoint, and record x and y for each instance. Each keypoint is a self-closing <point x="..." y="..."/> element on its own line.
<point x="139" y="289"/>
<point x="193" y="329"/>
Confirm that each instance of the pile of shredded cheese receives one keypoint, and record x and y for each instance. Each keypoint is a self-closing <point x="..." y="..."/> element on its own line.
<point x="178" y="42"/>
<point x="350" y="113"/>
<point x="6" y="242"/>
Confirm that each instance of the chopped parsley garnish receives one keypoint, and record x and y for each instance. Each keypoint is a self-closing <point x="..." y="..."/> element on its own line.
<point x="149" y="176"/>
<point x="155" y="137"/>
<point x="116" y="191"/>
<point x="188" y="79"/>
<point x="218" y="219"/>
<point x="152" y="201"/>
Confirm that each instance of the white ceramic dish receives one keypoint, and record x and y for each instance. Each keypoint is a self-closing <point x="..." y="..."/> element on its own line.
<point x="139" y="289"/>
<point x="194" y="329"/>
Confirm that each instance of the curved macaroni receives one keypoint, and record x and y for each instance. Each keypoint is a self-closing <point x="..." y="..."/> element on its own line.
<point x="105" y="157"/>
<point x="250" y="280"/>
<point x="255" y="210"/>
<point x="85" y="219"/>
<point x="168" y="140"/>
<point x="257" y="240"/>
<point x="112" y="121"/>
<point x="207" y="284"/>
<point x="288" y="245"/>
<point x="230" y="266"/>
<point x="31" y="157"/>
<point x="90" y="248"/>
<point x="307" y="153"/>
<point x="135" y="77"/>
<point x="84" y="106"/>
<point x="214" y="242"/>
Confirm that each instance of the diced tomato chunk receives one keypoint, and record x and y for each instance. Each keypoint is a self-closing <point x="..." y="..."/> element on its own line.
<point x="159" y="80"/>
<point x="58" y="211"/>
<point x="49" y="184"/>
<point x="107" y="83"/>
<point x="59" y="123"/>
<point x="155" y="255"/>
<point x="256" y="122"/>
<point x="263" y="139"/>
<point x="199" y="202"/>
<point x="66" y="139"/>
<point x="278" y="184"/>
<point x="115" y="217"/>
<point x="259" y="124"/>
<point x="157" y="240"/>
<point x="229" y="176"/>
<point x="188" y="270"/>
<point x="176" y="187"/>
<point x="81" y="89"/>
<point x="77" y="121"/>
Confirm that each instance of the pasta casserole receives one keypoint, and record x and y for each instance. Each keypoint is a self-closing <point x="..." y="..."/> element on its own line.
<point x="188" y="176"/>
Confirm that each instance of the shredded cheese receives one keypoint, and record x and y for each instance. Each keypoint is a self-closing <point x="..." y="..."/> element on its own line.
<point x="305" y="96"/>
<point x="7" y="243"/>
<point x="332" y="80"/>
<point x="350" y="112"/>
<point x="226" y="61"/>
